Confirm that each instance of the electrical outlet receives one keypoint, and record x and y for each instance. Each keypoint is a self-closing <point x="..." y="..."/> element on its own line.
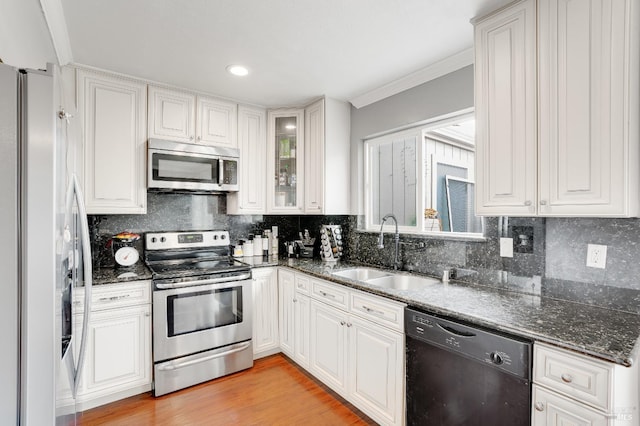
<point x="506" y="247"/>
<point x="596" y="256"/>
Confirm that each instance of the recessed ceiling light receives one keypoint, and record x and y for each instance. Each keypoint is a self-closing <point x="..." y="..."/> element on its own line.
<point x="238" y="70"/>
<point x="290" y="126"/>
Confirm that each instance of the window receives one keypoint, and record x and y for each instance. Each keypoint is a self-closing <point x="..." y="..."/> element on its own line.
<point x="425" y="177"/>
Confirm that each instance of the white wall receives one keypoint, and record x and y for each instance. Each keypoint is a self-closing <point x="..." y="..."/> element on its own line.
<point x="449" y="93"/>
<point x="24" y="36"/>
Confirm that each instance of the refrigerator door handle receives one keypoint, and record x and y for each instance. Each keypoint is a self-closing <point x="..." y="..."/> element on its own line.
<point x="88" y="278"/>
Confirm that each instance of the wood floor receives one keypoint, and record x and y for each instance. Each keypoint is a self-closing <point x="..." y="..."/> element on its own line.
<point x="274" y="392"/>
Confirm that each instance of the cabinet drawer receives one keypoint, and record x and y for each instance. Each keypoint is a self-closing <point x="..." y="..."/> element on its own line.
<point x="586" y="379"/>
<point x="330" y="294"/>
<point x="109" y="296"/>
<point x="550" y="408"/>
<point x="378" y="310"/>
<point x="303" y="284"/>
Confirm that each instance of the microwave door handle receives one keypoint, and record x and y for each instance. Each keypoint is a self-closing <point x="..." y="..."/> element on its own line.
<point x="220" y="171"/>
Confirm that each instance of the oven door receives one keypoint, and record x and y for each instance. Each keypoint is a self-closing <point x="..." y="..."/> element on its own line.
<point x="183" y="170"/>
<point x="199" y="317"/>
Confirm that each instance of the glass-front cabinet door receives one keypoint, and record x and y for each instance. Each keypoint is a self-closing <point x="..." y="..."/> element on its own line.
<point x="286" y="161"/>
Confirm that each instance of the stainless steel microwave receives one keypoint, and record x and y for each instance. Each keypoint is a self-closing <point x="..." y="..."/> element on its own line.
<point x="190" y="167"/>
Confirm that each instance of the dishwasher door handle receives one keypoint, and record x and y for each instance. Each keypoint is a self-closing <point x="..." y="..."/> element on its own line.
<point x="459" y="333"/>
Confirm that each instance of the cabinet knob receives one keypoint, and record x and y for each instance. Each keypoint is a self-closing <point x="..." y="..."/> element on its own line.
<point x="539" y="406"/>
<point x="147" y="314"/>
<point x="543" y="202"/>
<point x="190" y="138"/>
<point x="349" y="324"/>
<point x="199" y="138"/>
<point x="527" y="203"/>
<point x="342" y="323"/>
<point x="566" y="378"/>
<point x="295" y="300"/>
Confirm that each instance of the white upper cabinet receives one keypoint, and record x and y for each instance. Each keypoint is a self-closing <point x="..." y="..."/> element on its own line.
<point x="185" y="117"/>
<point x="327" y="157"/>
<point x="171" y="115"/>
<point x="285" y="157"/>
<point x="588" y="100"/>
<point x="113" y="114"/>
<point x="309" y="158"/>
<point x="505" y="67"/>
<point x="252" y="142"/>
<point x="216" y="122"/>
<point x="586" y="138"/>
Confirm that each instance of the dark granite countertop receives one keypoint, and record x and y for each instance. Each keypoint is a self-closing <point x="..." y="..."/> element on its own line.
<point x="604" y="333"/>
<point x="110" y="274"/>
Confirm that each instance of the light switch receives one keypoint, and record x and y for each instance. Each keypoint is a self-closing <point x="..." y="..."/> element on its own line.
<point x="506" y="247"/>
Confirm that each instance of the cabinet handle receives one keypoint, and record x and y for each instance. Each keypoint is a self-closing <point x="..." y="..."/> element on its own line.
<point x="342" y="323"/>
<point x="325" y="294"/>
<point x="527" y="203"/>
<point x="566" y="378"/>
<point x="113" y="298"/>
<point x="372" y="311"/>
<point x="543" y="202"/>
<point x="539" y="406"/>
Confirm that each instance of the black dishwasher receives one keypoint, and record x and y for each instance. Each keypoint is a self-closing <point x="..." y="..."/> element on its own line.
<point x="461" y="375"/>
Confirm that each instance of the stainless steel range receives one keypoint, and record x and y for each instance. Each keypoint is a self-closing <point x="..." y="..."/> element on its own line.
<point x="201" y="308"/>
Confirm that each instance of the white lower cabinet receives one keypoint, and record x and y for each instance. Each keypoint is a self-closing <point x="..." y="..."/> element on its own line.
<point x="118" y="357"/>
<point x="553" y="409"/>
<point x="578" y="390"/>
<point x="265" y="315"/>
<point x="329" y="345"/>
<point x="359" y="356"/>
<point x="286" y="290"/>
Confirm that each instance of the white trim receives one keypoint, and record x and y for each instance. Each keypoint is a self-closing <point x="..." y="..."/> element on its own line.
<point x="431" y="72"/>
<point x="428" y="124"/>
<point x="54" y="17"/>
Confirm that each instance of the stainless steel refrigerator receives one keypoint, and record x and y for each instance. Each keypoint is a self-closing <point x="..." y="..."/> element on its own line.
<point x="45" y="253"/>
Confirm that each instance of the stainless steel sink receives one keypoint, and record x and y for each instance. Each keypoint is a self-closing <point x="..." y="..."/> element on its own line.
<point x="361" y="274"/>
<point x="402" y="282"/>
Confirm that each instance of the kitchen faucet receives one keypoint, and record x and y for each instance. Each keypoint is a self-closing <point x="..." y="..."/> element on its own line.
<point x="396" y="238"/>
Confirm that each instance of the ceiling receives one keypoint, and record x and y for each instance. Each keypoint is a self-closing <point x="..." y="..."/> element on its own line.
<point x="296" y="50"/>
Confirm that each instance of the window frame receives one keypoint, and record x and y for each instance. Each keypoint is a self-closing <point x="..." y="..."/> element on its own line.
<point x="424" y="164"/>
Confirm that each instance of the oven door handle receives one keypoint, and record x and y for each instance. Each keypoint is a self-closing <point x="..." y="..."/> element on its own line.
<point x="204" y="282"/>
<point x="176" y="365"/>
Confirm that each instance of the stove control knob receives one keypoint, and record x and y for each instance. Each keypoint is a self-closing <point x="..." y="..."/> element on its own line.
<point x="163" y="239"/>
<point x="215" y="237"/>
<point x="154" y="239"/>
<point x="496" y="358"/>
<point x="222" y="237"/>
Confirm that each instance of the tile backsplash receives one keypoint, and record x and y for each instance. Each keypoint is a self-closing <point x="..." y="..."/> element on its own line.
<point x="549" y="254"/>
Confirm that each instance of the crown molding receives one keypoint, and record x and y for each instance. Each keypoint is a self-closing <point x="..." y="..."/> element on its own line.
<point x="433" y="71"/>
<point x="54" y="17"/>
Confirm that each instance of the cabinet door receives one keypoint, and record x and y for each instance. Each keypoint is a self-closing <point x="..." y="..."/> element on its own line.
<point x="584" y="118"/>
<point x="302" y="312"/>
<point x="550" y="409"/>
<point x="329" y="346"/>
<point x="265" y="309"/>
<point x="172" y="115"/>
<point x="118" y="353"/>
<point x="113" y="111"/>
<point x="314" y="158"/>
<point x="285" y="168"/>
<point x="217" y="122"/>
<point x="505" y="85"/>
<point x="286" y="293"/>
<point x="252" y="141"/>
<point x="376" y="370"/>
